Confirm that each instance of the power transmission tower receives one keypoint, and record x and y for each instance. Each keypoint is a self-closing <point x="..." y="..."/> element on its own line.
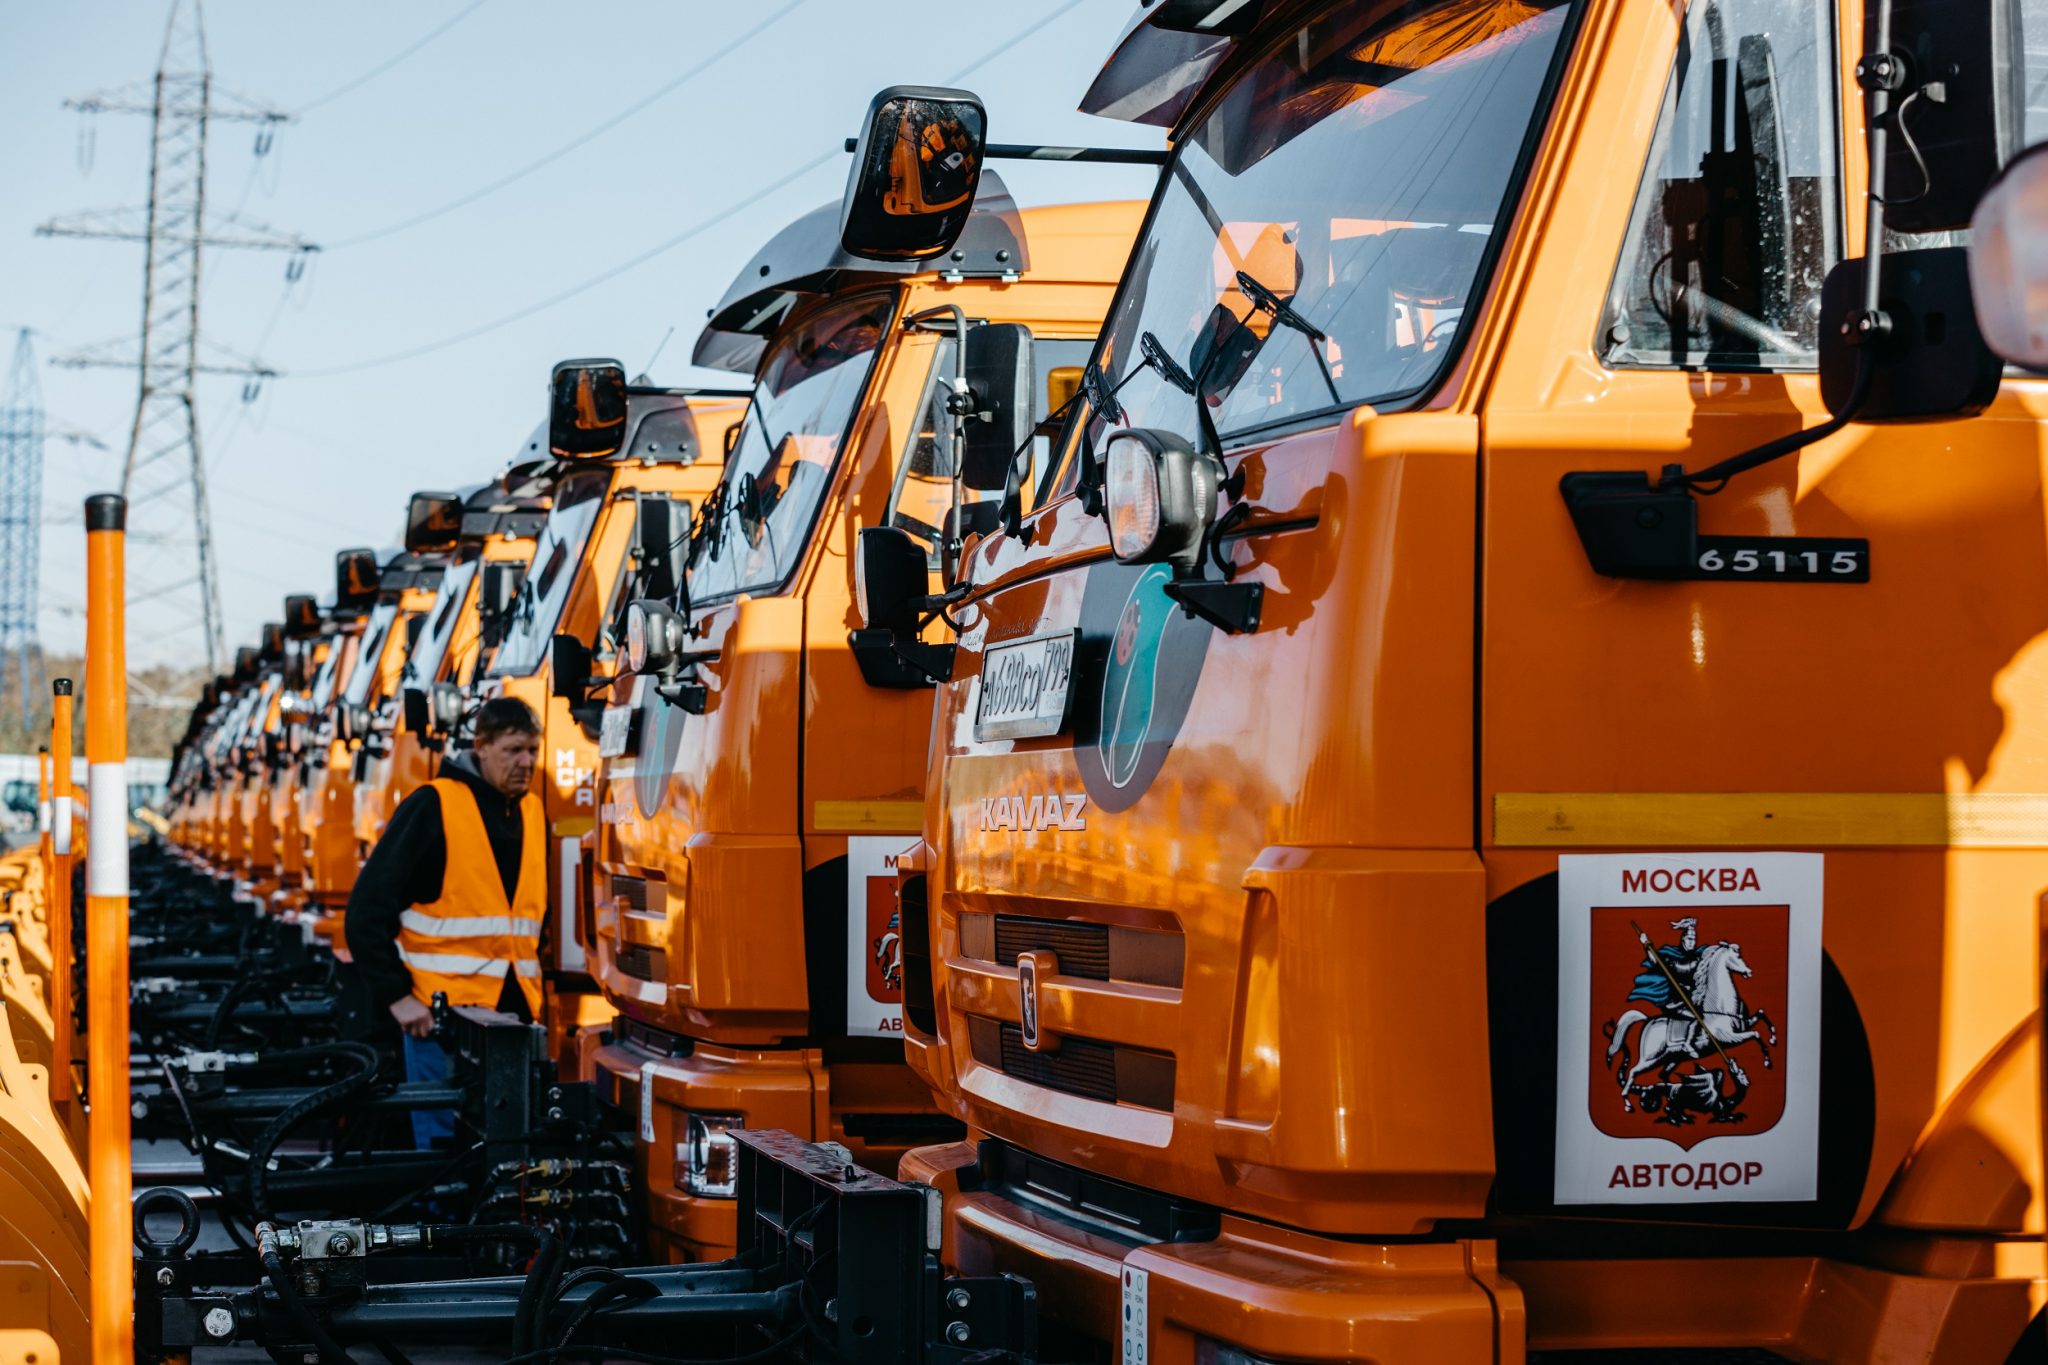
<point x="164" y="474"/>
<point x="21" y="535"/>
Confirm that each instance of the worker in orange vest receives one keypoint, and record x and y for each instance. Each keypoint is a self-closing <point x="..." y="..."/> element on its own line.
<point x="452" y="898"/>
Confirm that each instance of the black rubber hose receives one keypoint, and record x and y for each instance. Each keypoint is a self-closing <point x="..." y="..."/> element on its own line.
<point x="534" y="1293"/>
<point x="345" y="1088"/>
<point x="614" y="1289"/>
<point x="230" y="998"/>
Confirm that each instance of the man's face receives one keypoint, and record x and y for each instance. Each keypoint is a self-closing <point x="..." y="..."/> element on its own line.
<point x="506" y="761"/>
<point x="1690" y="938"/>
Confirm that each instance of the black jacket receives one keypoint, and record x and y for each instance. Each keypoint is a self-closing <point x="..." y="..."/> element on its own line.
<point x="405" y="869"/>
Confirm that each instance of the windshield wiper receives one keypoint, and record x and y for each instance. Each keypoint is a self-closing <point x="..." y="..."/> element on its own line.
<point x="1156" y="355"/>
<point x="1281" y="311"/>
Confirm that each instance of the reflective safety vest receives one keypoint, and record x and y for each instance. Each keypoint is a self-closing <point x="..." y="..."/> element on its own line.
<point x="465" y="942"/>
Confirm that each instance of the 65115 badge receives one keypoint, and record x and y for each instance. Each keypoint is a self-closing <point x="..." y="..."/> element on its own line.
<point x="1688" y="1065"/>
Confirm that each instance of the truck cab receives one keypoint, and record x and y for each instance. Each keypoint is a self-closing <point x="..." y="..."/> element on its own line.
<point x="488" y="534"/>
<point x="617" y="501"/>
<point x="760" y="775"/>
<point x="1489" y="810"/>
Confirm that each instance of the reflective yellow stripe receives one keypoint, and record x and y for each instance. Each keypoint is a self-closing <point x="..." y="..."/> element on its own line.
<point x="467" y="926"/>
<point x="1770" y="820"/>
<point x="457" y="964"/>
<point x="869" y="817"/>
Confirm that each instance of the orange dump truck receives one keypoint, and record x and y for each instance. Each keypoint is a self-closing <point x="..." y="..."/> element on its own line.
<point x="1495" y="808"/>
<point x="761" y="770"/>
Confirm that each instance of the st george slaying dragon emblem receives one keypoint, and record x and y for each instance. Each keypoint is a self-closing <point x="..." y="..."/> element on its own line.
<point x="1685" y="1021"/>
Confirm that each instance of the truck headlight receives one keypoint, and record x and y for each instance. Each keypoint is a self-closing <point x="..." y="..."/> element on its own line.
<point x="707" y="1162"/>
<point x="1159" y="493"/>
<point x="654" y="635"/>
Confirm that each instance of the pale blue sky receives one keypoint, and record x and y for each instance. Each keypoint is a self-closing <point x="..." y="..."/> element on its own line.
<point x="322" y="461"/>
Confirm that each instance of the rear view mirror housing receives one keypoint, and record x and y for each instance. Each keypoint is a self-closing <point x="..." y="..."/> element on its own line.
<point x="586" y="409"/>
<point x="497" y="589"/>
<point x="569" y="669"/>
<point x="916" y="167"/>
<point x="1001" y="374"/>
<point x="654" y="540"/>
<point x="301" y="616"/>
<point x="415" y="711"/>
<point x="445" y="708"/>
<point x="1956" y="71"/>
<point x="890" y="578"/>
<point x="433" y="521"/>
<point x="2009" y="262"/>
<point x="355" y="580"/>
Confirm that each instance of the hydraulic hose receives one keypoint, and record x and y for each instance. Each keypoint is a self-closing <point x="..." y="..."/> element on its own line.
<point x="536" y="1292"/>
<point x="347" y="1087"/>
<point x="235" y="993"/>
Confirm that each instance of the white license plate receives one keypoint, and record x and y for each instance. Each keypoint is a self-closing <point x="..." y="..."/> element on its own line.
<point x="615" y="732"/>
<point x="1024" y="686"/>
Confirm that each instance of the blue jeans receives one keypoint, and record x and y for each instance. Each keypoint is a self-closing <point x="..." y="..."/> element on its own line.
<point x="426" y="1061"/>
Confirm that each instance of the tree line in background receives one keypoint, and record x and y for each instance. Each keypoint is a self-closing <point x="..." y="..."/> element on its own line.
<point x="160" y="702"/>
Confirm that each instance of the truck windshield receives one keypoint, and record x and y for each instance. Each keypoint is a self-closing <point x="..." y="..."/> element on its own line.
<point x="424" y="667"/>
<point x="809" y="386"/>
<point x="365" y="672"/>
<point x="1323" y="228"/>
<point x="545" y="590"/>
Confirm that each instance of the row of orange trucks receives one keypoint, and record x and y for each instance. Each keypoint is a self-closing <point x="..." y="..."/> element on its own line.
<point x="1432" y="747"/>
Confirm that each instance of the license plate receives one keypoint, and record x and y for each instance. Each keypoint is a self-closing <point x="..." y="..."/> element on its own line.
<point x="1024" y="686"/>
<point x="615" y="732"/>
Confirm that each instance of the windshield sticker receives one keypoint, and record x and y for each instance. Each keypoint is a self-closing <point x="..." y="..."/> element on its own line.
<point x="1688" y="1067"/>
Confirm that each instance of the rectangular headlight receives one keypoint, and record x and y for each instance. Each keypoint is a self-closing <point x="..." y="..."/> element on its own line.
<point x="707" y="1161"/>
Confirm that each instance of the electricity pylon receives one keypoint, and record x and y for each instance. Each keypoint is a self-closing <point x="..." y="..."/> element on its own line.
<point x="164" y="474"/>
<point x="21" y="535"/>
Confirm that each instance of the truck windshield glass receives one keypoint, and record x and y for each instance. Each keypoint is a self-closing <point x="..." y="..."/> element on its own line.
<point x="358" y="690"/>
<point x="424" y="667"/>
<point x="1322" y="230"/>
<point x="809" y="386"/>
<point x="545" y="590"/>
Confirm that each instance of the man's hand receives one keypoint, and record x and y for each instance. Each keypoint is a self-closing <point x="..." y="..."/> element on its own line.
<point x="415" y="1018"/>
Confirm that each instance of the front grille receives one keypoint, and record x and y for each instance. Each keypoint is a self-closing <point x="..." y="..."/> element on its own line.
<point x="1090" y="952"/>
<point x="638" y="896"/>
<point x="1092" y="1070"/>
<point x="649" y="1039"/>
<point x="640" y="960"/>
<point x="1083" y="949"/>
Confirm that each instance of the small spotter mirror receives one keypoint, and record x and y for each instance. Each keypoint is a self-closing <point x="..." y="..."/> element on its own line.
<point x="270" y="646"/>
<point x="569" y="669"/>
<point x="586" y="409"/>
<point x="433" y="521"/>
<point x="915" y="169"/>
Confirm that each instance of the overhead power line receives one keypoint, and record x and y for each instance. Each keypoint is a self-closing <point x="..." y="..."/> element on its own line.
<point x="484" y="191"/>
<point x="660" y="248"/>
<point x="374" y="72"/>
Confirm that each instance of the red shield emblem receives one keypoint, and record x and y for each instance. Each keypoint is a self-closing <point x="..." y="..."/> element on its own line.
<point x="1686" y="1004"/>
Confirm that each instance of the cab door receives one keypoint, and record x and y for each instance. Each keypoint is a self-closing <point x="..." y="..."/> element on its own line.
<point x="1884" y="723"/>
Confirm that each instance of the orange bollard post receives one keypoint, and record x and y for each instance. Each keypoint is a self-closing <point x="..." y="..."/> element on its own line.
<point x="63" y="1050"/>
<point x="106" y="918"/>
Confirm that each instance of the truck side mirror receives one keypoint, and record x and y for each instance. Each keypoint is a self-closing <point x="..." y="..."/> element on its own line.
<point x="569" y="669"/>
<point x="2009" y="262"/>
<point x="1001" y="375"/>
<point x="1955" y="70"/>
<point x="355" y="579"/>
<point x="433" y="521"/>
<point x="586" y="409"/>
<point x="890" y="578"/>
<point x="498" y="589"/>
<point x="301" y="616"/>
<point x="915" y="170"/>
<point x="445" y="708"/>
<point x="415" y="710"/>
<point x="654" y="541"/>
